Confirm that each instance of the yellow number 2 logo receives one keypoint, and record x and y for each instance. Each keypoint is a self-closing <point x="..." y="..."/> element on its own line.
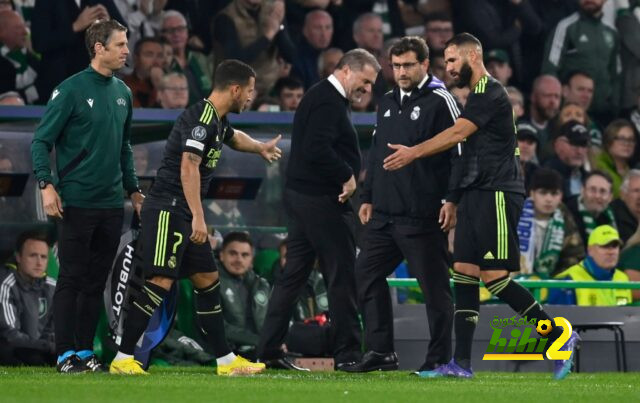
<point x="554" y="353"/>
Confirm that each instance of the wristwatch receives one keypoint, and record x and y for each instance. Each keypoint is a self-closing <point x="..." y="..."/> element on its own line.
<point x="42" y="183"/>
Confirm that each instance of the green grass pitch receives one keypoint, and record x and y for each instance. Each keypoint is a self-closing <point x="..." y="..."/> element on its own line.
<point x="201" y="385"/>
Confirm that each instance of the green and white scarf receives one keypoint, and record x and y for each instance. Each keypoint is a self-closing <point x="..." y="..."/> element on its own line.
<point x="589" y="220"/>
<point x="543" y="261"/>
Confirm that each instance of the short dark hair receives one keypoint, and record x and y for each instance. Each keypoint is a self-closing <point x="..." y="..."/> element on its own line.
<point x="30" y="234"/>
<point x="597" y="172"/>
<point x="142" y="41"/>
<point x="237" y="237"/>
<point x="357" y="58"/>
<point x="100" y="32"/>
<point x="462" y="39"/>
<point x="413" y="44"/>
<point x="547" y="179"/>
<point x="567" y="77"/>
<point x="438" y="16"/>
<point x="291" y="83"/>
<point x="232" y="72"/>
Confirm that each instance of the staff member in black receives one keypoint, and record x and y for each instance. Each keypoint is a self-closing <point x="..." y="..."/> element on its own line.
<point x="324" y="162"/>
<point x="407" y="212"/>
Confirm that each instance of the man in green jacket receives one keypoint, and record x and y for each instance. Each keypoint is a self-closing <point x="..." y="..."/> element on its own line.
<point x="244" y="294"/>
<point x="583" y="42"/>
<point x="87" y="120"/>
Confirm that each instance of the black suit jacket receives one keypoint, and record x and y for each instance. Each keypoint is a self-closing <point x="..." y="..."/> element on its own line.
<point x="63" y="51"/>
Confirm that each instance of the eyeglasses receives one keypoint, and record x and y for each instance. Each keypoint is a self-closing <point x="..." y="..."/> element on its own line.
<point x="175" y="30"/>
<point x="176" y="89"/>
<point x="406" y="66"/>
<point x="628" y="140"/>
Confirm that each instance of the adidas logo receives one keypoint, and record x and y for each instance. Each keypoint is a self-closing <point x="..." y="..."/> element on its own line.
<point x="387" y="113"/>
<point x="488" y="256"/>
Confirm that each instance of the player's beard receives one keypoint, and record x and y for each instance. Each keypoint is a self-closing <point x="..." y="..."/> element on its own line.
<point x="464" y="77"/>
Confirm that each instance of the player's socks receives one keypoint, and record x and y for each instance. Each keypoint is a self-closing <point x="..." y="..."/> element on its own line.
<point x="122" y="356"/>
<point x="143" y="305"/>
<point x="521" y="301"/>
<point x="226" y="360"/>
<point x="210" y="320"/>
<point x="466" y="289"/>
<point x="84" y="354"/>
<point x="65" y="355"/>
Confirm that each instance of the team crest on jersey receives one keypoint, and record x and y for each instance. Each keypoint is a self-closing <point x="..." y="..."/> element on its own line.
<point x="42" y="307"/>
<point x="415" y="114"/>
<point x="199" y="133"/>
<point x="121" y="102"/>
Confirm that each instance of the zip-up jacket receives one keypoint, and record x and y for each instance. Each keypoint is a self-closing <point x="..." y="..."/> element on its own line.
<point x="26" y="311"/>
<point x="412" y="196"/>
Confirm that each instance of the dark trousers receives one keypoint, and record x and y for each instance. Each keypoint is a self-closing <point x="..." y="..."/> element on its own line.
<point x="319" y="226"/>
<point x="383" y="248"/>
<point x="17" y="356"/>
<point x="88" y="242"/>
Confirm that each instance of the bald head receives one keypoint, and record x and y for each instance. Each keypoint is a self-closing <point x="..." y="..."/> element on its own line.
<point x="545" y="98"/>
<point x="13" y="31"/>
<point x="318" y="29"/>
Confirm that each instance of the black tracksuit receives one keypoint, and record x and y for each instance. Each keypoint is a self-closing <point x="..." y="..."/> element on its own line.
<point x="406" y="205"/>
<point x="324" y="155"/>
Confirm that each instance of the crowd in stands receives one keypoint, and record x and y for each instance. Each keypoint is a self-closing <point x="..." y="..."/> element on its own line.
<point x="571" y="69"/>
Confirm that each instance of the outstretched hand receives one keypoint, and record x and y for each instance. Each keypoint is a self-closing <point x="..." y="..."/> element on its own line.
<point x="402" y="156"/>
<point x="270" y="151"/>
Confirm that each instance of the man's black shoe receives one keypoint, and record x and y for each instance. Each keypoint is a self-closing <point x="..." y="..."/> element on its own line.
<point x="373" y="361"/>
<point x="71" y="365"/>
<point x="340" y="366"/>
<point x="93" y="364"/>
<point x="283" y="363"/>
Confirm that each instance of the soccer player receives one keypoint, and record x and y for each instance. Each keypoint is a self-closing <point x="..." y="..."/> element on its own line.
<point x="88" y="120"/>
<point x="486" y="241"/>
<point x="174" y="234"/>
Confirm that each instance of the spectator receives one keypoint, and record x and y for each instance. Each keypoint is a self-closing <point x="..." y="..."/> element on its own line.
<point x="619" y="147"/>
<point x="517" y="101"/>
<point x="195" y="66"/>
<point x="11" y="98"/>
<point x="147" y="58"/>
<point x="438" y="67"/>
<point x="630" y="261"/>
<point x="498" y="24"/>
<point x="266" y="104"/>
<point x="628" y="24"/>
<point x="582" y="42"/>
<point x="57" y="29"/>
<point x="289" y="92"/>
<point x="317" y="33"/>
<point x="626" y="209"/>
<point x="438" y="29"/>
<point x="634" y="116"/>
<point x="367" y="33"/>
<point x="173" y="92"/>
<point x="328" y="60"/>
<point x="570" y="149"/>
<point x="141" y="159"/>
<point x="385" y="80"/>
<point x="527" y="144"/>
<point x="254" y="32"/>
<point x="26" y="296"/>
<point x="549" y="238"/>
<point x="592" y="207"/>
<point x="578" y="88"/>
<point x="570" y="111"/>
<point x="497" y="64"/>
<point x="545" y="104"/>
<point x="13" y="38"/>
<point x="599" y="265"/>
<point x="244" y="294"/>
<point x="167" y="58"/>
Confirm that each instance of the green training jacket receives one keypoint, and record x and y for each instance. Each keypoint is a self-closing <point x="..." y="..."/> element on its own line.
<point x="88" y="120"/>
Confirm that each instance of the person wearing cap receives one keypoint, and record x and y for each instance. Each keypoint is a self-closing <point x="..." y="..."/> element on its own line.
<point x="497" y="64"/>
<point x="549" y="238"/>
<point x="600" y="264"/>
<point x="570" y="148"/>
<point x="527" y="144"/>
<point x="592" y="207"/>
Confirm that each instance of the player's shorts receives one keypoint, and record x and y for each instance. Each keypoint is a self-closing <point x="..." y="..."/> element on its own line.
<point x="486" y="230"/>
<point x="165" y="246"/>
